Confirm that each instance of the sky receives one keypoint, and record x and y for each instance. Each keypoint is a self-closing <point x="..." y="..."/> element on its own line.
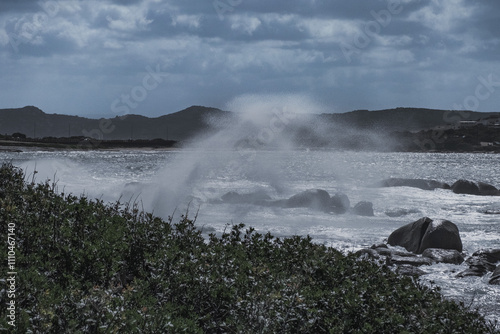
<point x="153" y="57"/>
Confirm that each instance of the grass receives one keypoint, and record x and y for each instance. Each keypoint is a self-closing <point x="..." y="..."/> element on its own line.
<point x="84" y="266"/>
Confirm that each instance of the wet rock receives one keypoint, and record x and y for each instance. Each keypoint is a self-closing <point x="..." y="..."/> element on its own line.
<point x="316" y="199"/>
<point x="444" y="255"/>
<point x="475" y="271"/>
<point x="409" y="260"/>
<point x="414" y="183"/>
<point x="401" y="212"/>
<point x="427" y="233"/>
<point x="364" y="208"/>
<point x="481" y="262"/>
<point x="474" y="188"/>
<point x="392" y="252"/>
<point x="409" y="270"/>
<point x="367" y="252"/>
<point x="495" y="278"/>
<point x="382" y="245"/>
<point x="491" y="255"/>
<point x="339" y="203"/>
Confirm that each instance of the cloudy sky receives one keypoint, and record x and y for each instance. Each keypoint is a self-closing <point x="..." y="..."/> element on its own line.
<point x="153" y="57"/>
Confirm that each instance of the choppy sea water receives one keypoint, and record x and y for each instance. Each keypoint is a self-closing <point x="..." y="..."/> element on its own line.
<point x="170" y="182"/>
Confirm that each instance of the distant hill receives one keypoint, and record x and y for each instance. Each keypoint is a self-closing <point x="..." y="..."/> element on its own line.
<point x="185" y="124"/>
<point x="404" y="119"/>
<point x="180" y="126"/>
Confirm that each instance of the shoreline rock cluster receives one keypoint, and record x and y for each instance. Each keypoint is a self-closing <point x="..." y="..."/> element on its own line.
<point x="315" y="199"/>
<point x="459" y="187"/>
<point x="429" y="241"/>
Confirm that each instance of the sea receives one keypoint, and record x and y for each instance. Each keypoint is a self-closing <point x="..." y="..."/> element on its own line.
<point x="191" y="181"/>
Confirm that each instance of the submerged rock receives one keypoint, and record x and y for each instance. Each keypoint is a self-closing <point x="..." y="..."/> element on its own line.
<point x="427" y="233"/>
<point x="414" y="183"/>
<point x="364" y="209"/>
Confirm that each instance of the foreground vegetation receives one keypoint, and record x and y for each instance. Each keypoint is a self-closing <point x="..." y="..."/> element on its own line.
<point x="87" y="267"/>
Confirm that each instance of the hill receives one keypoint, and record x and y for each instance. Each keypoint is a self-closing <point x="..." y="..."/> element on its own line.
<point x="180" y="126"/>
<point x="390" y="129"/>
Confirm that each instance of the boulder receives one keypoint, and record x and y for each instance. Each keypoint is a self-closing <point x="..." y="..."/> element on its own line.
<point x="444" y="255"/>
<point x="364" y="208"/>
<point x="486" y="189"/>
<point x="474" y="188"/>
<point x="495" y="278"/>
<point x="257" y="197"/>
<point x="465" y="187"/>
<point x="414" y="183"/>
<point x="427" y="233"/>
<point x="316" y="199"/>
<point x="339" y="203"/>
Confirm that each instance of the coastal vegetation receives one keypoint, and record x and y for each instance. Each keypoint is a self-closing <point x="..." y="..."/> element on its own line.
<point x="84" y="266"/>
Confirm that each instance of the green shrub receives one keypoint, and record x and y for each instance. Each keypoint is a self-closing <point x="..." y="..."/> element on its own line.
<point x="88" y="267"/>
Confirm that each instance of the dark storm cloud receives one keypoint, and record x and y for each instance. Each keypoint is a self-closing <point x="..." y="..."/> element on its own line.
<point x="424" y="53"/>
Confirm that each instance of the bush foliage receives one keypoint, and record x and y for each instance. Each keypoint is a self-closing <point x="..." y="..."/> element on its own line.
<point x="89" y="267"/>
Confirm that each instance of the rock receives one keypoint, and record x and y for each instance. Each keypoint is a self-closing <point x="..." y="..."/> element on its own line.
<point x="258" y="197"/>
<point x="444" y="255"/>
<point x="427" y="233"/>
<point x="316" y="199"/>
<point x="339" y="203"/>
<point x="367" y="252"/>
<point x="392" y="252"/>
<point x="401" y="212"/>
<point x="472" y="272"/>
<point x="474" y="188"/>
<point x="465" y="187"/>
<point x="409" y="270"/>
<point x="375" y="246"/>
<point x="364" y="209"/>
<point x="486" y="189"/>
<point x="480" y="262"/>
<point x="491" y="255"/>
<point x="410" y="260"/>
<point x="441" y="234"/>
<point x="495" y="278"/>
<point x="414" y="183"/>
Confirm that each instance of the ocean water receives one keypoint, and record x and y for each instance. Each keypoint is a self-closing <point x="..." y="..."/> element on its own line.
<point x="173" y="182"/>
